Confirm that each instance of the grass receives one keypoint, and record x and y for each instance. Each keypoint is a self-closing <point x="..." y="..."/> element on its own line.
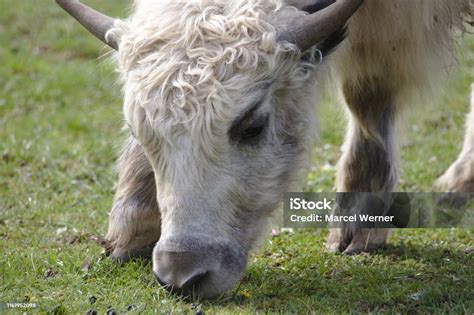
<point x="60" y="122"/>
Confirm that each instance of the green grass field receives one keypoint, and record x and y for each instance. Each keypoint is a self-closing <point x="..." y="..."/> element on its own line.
<point x="60" y="128"/>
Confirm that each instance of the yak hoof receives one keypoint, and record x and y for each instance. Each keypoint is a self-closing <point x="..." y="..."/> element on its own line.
<point x="350" y="242"/>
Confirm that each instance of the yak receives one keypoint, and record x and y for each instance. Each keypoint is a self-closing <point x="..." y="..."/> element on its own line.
<point x="219" y="100"/>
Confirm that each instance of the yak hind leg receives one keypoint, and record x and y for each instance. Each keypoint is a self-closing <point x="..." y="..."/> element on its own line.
<point x="368" y="164"/>
<point x="459" y="177"/>
<point x="134" y="222"/>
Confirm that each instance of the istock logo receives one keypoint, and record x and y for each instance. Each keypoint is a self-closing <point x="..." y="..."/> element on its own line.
<point x="303" y="204"/>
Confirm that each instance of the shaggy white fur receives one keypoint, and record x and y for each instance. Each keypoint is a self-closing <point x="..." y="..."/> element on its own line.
<point x="408" y="44"/>
<point x="190" y="63"/>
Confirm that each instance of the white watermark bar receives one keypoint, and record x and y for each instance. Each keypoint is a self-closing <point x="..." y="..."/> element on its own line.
<point x="18" y="305"/>
<point x="378" y="210"/>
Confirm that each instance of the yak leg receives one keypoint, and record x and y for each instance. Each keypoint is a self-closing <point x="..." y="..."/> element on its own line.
<point x="134" y="223"/>
<point x="369" y="160"/>
<point x="460" y="175"/>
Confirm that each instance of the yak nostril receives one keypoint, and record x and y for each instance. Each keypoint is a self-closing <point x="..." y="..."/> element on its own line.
<point x="189" y="286"/>
<point x="179" y="272"/>
<point x="161" y="282"/>
<point x="194" y="281"/>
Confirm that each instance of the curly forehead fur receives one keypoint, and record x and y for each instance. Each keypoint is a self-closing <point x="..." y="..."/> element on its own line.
<point x="187" y="64"/>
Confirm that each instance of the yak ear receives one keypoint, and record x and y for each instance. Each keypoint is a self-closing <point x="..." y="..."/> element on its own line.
<point x="327" y="46"/>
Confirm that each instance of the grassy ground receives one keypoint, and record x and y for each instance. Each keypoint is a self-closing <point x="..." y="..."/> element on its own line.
<point x="60" y="121"/>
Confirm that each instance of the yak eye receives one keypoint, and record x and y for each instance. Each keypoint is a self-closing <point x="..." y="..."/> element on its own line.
<point x="255" y="129"/>
<point x="248" y="129"/>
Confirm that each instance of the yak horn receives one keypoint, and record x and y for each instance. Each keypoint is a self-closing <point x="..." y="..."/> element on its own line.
<point x="311" y="29"/>
<point x="95" y="22"/>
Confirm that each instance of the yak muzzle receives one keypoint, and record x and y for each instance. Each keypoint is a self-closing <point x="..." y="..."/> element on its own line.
<point x="195" y="269"/>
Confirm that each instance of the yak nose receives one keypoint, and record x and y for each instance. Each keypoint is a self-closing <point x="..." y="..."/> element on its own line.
<point x="179" y="272"/>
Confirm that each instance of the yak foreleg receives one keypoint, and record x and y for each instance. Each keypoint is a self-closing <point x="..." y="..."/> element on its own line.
<point x="369" y="162"/>
<point x="134" y="223"/>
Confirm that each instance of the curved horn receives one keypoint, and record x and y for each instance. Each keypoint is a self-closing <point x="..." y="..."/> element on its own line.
<point x="309" y="30"/>
<point x="95" y="22"/>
